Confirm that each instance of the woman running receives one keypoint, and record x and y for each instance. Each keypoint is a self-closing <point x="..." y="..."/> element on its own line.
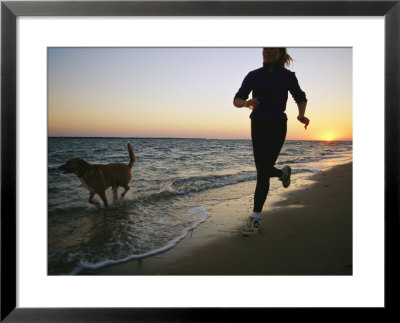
<point x="269" y="85"/>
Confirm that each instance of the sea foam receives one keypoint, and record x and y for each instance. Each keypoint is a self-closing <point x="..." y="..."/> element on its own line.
<point x="199" y="212"/>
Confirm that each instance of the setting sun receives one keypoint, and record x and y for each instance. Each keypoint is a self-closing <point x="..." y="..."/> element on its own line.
<point x="329" y="138"/>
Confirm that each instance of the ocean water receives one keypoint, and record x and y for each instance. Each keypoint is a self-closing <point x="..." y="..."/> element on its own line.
<point x="163" y="204"/>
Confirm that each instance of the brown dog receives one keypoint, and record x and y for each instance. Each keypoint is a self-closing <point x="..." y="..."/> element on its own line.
<point x="98" y="177"/>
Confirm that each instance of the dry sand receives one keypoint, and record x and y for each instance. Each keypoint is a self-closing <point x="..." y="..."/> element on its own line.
<point x="308" y="233"/>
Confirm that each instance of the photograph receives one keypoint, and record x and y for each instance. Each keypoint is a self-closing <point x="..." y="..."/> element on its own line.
<point x="161" y="157"/>
<point x="199" y="161"/>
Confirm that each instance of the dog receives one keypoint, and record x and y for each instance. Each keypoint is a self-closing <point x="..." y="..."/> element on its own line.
<point x="98" y="177"/>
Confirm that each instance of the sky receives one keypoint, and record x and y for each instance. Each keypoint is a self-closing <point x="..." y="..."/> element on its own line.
<point x="188" y="92"/>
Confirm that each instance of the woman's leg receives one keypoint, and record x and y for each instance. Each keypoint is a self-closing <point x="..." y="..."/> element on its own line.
<point x="268" y="136"/>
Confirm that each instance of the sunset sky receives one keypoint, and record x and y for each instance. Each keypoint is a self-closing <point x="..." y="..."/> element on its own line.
<point x="187" y="92"/>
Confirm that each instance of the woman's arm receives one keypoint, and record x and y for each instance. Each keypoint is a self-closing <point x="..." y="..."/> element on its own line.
<point x="240" y="103"/>
<point x="300" y="98"/>
<point x="240" y="99"/>
<point x="302" y="110"/>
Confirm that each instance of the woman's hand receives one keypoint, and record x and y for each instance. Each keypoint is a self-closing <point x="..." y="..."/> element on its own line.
<point x="251" y="104"/>
<point x="304" y="120"/>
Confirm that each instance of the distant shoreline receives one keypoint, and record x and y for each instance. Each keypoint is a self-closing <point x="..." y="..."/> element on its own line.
<point x="186" y="138"/>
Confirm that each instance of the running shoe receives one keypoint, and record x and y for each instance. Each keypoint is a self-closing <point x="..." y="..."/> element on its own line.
<point x="251" y="227"/>
<point x="285" y="178"/>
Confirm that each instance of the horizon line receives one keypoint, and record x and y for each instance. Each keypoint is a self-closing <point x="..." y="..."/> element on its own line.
<point x="198" y="138"/>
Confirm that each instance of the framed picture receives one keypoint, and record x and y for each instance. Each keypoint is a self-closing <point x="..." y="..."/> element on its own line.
<point x="36" y="39"/>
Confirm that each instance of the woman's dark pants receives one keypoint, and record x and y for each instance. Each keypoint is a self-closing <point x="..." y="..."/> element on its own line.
<point x="268" y="136"/>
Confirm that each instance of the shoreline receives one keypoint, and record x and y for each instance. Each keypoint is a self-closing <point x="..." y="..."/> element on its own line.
<point x="309" y="232"/>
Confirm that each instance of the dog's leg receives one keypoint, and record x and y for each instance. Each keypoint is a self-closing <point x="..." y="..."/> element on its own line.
<point x="126" y="187"/>
<point x="115" y="193"/>
<point x="91" y="199"/>
<point x="103" y="198"/>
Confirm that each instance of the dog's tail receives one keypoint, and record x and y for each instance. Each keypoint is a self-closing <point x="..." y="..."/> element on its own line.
<point x="131" y="155"/>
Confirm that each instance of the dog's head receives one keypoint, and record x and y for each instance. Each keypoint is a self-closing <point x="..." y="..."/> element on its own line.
<point x="74" y="165"/>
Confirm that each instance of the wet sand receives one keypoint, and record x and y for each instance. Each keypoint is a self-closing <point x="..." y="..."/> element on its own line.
<point x="309" y="232"/>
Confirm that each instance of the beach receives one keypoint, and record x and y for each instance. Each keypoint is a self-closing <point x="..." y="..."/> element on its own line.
<point x="305" y="230"/>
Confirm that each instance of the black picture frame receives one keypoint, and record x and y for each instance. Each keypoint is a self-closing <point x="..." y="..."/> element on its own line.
<point x="10" y="10"/>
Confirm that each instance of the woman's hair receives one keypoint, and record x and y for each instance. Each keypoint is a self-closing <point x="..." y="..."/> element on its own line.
<point x="285" y="59"/>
